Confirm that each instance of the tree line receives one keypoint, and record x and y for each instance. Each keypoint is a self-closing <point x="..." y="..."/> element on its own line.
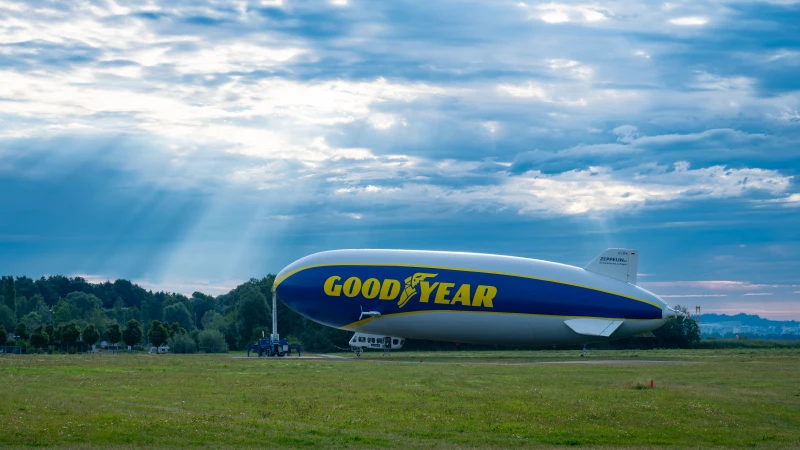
<point x="64" y="311"/>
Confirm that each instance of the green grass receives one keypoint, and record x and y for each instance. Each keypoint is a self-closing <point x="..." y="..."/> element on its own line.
<point x="713" y="398"/>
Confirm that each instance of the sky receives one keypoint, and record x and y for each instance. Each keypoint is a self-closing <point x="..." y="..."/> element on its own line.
<point x="190" y="145"/>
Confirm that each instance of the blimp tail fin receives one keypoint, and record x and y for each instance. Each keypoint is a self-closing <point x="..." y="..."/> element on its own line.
<point x="619" y="263"/>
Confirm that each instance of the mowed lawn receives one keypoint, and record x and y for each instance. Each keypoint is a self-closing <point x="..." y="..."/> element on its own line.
<point x="709" y="398"/>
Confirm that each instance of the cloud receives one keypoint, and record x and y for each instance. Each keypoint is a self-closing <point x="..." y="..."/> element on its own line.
<point x="721" y="285"/>
<point x="525" y="91"/>
<point x="693" y="295"/>
<point x="220" y="128"/>
<point x="792" y="200"/>
<point x="185" y="287"/>
<point x="570" y="68"/>
<point x="592" y="190"/>
<point x="626" y="133"/>
<point x="704" y="80"/>
<point x="757" y="294"/>
<point x="188" y="287"/>
<point x="689" y="21"/>
<point x="561" y="13"/>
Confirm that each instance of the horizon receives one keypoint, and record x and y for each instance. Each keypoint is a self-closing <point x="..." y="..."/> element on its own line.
<point x="191" y="146"/>
<point x="217" y="290"/>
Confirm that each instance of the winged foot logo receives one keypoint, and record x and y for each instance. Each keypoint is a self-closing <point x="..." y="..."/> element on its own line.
<point x="411" y="285"/>
<point x="419" y="284"/>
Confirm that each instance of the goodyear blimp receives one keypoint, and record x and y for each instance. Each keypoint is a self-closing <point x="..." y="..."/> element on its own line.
<point x="388" y="295"/>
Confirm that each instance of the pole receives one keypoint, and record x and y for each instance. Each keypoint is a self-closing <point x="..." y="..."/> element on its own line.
<point x="274" y="336"/>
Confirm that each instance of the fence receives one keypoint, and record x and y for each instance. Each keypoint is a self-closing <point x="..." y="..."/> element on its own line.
<point x="20" y="350"/>
<point x="83" y="348"/>
<point x="12" y="350"/>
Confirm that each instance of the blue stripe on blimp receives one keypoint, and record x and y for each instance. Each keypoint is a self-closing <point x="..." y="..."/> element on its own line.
<point x="335" y="295"/>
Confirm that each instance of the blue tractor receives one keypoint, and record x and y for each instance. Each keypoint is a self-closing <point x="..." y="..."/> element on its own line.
<point x="277" y="347"/>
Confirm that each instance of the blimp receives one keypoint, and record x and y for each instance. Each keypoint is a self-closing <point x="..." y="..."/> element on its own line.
<point x="386" y="296"/>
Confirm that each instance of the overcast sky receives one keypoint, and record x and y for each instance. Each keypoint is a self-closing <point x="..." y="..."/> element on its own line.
<point x="191" y="145"/>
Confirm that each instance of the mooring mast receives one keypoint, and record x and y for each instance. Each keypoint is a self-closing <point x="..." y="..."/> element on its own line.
<point x="274" y="335"/>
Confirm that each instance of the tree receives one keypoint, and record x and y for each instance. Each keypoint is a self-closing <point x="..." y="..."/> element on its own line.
<point x="202" y="304"/>
<point x="55" y="336"/>
<point x="678" y="332"/>
<point x="97" y="317"/>
<point x="26" y="305"/>
<point x="45" y="313"/>
<point x="47" y="290"/>
<point x="69" y="333"/>
<point x="182" y="343"/>
<point x="91" y="335"/>
<point x="84" y="302"/>
<point x="114" y="334"/>
<point x="211" y="341"/>
<point x="39" y="338"/>
<point x="9" y="292"/>
<point x="21" y="330"/>
<point x="178" y="312"/>
<point x="119" y="309"/>
<point x="3" y="335"/>
<point x="212" y="320"/>
<point x="66" y="312"/>
<point x="25" y="287"/>
<point x="158" y="334"/>
<point x="7" y="317"/>
<point x="175" y="329"/>
<point x="51" y="333"/>
<point x="31" y="320"/>
<point x="252" y="311"/>
<point x="132" y="334"/>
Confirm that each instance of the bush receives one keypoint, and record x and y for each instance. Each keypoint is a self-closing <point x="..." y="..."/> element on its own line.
<point x="212" y="341"/>
<point x="182" y="343"/>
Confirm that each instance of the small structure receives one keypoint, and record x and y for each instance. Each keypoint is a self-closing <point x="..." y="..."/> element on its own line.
<point x="162" y="349"/>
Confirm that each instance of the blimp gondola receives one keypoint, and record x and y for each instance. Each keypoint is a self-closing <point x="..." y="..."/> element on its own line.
<point x="472" y="297"/>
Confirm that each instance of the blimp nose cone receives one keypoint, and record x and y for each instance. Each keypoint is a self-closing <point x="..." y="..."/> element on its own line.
<point x="668" y="313"/>
<point x="303" y="291"/>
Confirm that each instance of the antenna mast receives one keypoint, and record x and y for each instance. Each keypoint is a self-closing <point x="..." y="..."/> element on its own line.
<point x="274" y="336"/>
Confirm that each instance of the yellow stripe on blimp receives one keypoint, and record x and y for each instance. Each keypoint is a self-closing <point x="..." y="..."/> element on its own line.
<point x="278" y="281"/>
<point x="356" y="324"/>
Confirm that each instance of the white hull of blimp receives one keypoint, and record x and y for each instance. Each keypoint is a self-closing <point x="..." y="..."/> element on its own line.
<point x="473" y="298"/>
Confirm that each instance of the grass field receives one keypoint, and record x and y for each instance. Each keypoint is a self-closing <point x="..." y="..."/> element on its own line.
<point x="708" y="398"/>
